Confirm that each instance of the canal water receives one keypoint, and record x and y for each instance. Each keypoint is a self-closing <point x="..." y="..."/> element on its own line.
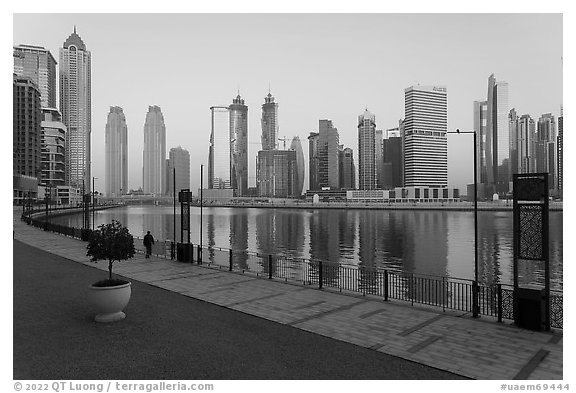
<point x="433" y="242"/>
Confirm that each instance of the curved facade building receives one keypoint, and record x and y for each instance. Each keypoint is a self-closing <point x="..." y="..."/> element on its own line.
<point x="239" y="145"/>
<point x="116" y="153"/>
<point x="53" y="148"/>
<point x="300" y="165"/>
<point x="75" y="106"/>
<point x="154" y="157"/>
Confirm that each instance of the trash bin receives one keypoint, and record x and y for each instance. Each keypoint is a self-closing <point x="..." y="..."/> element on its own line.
<point x="530" y="308"/>
<point x="184" y="252"/>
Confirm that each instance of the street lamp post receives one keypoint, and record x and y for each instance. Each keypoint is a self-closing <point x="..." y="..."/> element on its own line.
<point x="201" y="205"/>
<point x="475" y="289"/>
<point x="93" y="201"/>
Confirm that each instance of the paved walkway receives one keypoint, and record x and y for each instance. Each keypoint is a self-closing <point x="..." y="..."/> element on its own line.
<point x="474" y="348"/>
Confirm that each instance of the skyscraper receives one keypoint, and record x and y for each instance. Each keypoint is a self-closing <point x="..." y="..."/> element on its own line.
<point x="219" y="158"/>
<point x="276" y="173"/>
<point x="328" y="143"/>
<point x="483" y="149"/>
<point x="392" y="157"/>
<point x="154" y="157"/>
<point x="379" y="160"/>
<point x="425" y="144"/>
<point x="26" y="138"/>
<point x="38" y="64"/>
<point x="498" y="136"/>
<point x="314" y="161"/>
<point x="26" y="127"/>
<point x="546" y="148"/>
<point x="53" y="148"/>
<point x="347" y="168"/>
<point x="300" y="165"/>
<point x="75" y="106"/>
<point x="179" y="159"/>
<point x="239" y="145"/>
<point x="269" y="123"/>
<point x="116" y="153"/>
<point x="526" y="137"/>
<point x="366" y="151"/>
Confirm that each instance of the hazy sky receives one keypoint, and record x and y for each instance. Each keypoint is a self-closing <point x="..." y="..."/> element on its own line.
<point x="319" y="66"/>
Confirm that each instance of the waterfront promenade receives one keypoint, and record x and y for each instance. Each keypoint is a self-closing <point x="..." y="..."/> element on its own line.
<point x="189" y="321"/>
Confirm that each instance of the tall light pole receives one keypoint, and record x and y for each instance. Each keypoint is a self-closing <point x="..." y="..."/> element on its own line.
<point x="93" y="201"/>
<point x="201" y="205"/>
<point x="475" y="305"/>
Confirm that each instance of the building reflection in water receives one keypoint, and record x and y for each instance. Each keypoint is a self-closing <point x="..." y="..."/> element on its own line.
<point x="239" y="239"/>
<point x="439" y="243"/>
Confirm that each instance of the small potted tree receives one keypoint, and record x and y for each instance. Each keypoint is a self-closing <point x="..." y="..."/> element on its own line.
<point x="112" y="242"/>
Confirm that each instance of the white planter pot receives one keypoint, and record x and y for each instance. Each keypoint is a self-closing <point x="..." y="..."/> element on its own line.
<point x="108" y="302"/>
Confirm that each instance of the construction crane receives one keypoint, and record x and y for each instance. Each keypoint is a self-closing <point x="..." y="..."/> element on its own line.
<point x="283" y="140"/>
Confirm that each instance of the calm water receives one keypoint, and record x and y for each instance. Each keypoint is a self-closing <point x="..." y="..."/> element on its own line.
<point x="439" y="243"/>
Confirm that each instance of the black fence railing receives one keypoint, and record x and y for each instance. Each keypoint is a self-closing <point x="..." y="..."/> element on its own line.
<point x="494" y="300"/>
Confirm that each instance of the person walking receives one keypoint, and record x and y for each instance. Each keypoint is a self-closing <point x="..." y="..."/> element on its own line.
<point x="148" y="242"/>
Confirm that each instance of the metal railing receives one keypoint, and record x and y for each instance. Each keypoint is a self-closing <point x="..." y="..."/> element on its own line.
<point x="494" y="300"/>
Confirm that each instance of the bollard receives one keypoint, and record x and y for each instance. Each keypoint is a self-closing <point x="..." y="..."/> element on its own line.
<point x="385" y="285"/>
<point x="230" y="261"/>
<point x="199" y="254"/>
<point x="320" y="279"/>
<point x="269" y="266"/>
<point x="475" y="299"/>
<point x="499" y="289"/>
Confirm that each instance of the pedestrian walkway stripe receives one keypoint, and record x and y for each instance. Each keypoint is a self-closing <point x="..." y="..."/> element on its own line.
<point x="424" y="344"/>
<point x="369" y="314"/>
<point x="308" y="305"/>
<point x="256" y="299"/>
<point x="322" y="314"/>
<point x="532" y="364"/>
<point x="420" y="325"/>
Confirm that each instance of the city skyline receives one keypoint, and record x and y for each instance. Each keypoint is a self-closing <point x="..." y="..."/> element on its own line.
<point x="305" y="90"/>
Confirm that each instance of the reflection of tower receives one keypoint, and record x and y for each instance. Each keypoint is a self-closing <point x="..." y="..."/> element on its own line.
<point x="325" y="242"/>
<point x="239" y="145"/>
<point x="368" y="234"/>
<point x="152" y="221"/>
<point x="239" y="238"/>
<point x="430" y="231"/>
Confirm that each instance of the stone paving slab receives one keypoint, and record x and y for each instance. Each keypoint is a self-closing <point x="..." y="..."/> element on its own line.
<point x="476" y="348"/>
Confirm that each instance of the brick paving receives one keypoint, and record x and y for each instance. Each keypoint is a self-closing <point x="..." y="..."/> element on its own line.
<point x="451" y="341"/>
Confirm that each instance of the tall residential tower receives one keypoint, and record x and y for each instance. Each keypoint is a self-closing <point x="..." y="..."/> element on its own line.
<point x="239" y="145"/>
<point x="154" y="157"/>
<point x="76" y="109"/>
<point x="116" y="153"/>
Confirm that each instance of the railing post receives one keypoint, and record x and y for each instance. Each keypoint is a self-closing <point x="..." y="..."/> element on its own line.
<point x="443" y="292"/>
<point x="499" y="290"/>
<point x="270" y="266"/>
<point x="385" y="285"/>
<point x="199" y="254"/>
<point x="320" y="278"/>
<point x="172" y="250"/>
<point x="475" y="293"/>
<point x="230" y="260"/>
